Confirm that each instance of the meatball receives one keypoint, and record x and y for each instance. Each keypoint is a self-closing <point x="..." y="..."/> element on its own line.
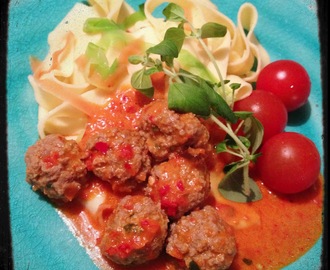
<point x="202" y="238"/>
<point x="135" y="232"/>
<point x="180" y="184"/>
<point x="54" y="166"/>
<point x="168" y="131"/>
<point x="120" y="157"/>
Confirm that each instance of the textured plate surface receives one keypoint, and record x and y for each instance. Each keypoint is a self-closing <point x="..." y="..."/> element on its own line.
<point x="287" y="29"/>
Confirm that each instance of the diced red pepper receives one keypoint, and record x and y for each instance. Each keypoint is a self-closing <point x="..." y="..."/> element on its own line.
<point x="51" y="160"/>
<point x="126" y="151"/>
<point x="128" y="166"/>
<point x="163" y="190"/>
<point x="151" y="118"/>
<point x="122" y="250"/>
<point x="180" y="185"/>
<point x="169" y="207"/>
<point x="103" y="147"/>
<point x="150" y="226"/>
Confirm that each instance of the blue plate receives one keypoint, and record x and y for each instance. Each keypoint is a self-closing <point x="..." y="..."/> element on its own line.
<point x="40" y="239"/>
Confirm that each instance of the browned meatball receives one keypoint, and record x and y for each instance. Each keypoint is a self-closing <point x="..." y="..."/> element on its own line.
<point x="168" y="131"/>
<point x="202" y="238"/>
<point x="54" y="166"/>
<point x="180" y="184"/>
<point x="135" y="232"/>
<point x="119" y="157"/>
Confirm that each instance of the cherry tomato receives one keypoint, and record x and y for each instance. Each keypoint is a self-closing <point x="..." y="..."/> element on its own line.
<point x="289" y="163"/>
<point x="288" y="80"/>
<point x="268" y="109"/>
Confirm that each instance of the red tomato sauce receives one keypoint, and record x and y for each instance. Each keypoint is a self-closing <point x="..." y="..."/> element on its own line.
<point x="270" y="233"/>
<point x="287" y="228"/>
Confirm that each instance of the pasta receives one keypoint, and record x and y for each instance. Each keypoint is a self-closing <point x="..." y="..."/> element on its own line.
<point x="158" y="145"/>
<point x="68" y="92"/>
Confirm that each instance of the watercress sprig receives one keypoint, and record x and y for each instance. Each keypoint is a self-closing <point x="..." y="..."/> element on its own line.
<point x="189" y="92"/>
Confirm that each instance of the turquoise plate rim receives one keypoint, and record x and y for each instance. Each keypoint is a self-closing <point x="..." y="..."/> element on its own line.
<point x="40" y="239"/>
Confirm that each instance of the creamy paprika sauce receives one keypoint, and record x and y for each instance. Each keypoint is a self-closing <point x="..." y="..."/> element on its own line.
<point x="270" y="233"/>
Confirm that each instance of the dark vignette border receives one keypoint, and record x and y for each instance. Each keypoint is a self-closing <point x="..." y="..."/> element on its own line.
<point x="323" y="38"/>
<point x="6" y="261"/>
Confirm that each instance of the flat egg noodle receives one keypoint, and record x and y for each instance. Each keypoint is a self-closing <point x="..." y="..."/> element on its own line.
<point x="245" y="48"/>
<point x="198" y="13"/>
<point x="235" y="53"/>
<point x="112" y="9"/>
<point x="58" y="84"/>
<point x="68" y="92"/>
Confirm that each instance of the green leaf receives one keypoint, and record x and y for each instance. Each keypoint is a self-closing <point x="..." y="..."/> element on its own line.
<point x="245" y="141"/>
<point x="151" y="70"/>
<point x="230" y="142"/>
<point x="98" y="60"/>
<point x="142" y="82"/>
<point x="224" y="82"/>
<point x="243" y="114"/>
<point x="174" y="12"/>
<point x="135" y="59"/>
<point x="255" y="64"/>
<point x="165" y="48"/>
<point x="115" y="39"/>
<point x="231" y="187"/>
<point x="176" y="35"/>
<point x="231" y="166"/>
<point x="189" y="78"/>
<point x="254" y="132"/>
<point x="221" y="147"/>
<point x="99" y="25"/>
<point x="235" y="86"/>
<point x="168" y="60"/>
<point x="221" y="108"/>
<point x="191" y="63"/>
<point x="188" y="98"/>
<point x="252" y="129"/>
<point x="211" y="30"/>
<point x="135" y="17"/>
<point x="96" y="54"/>
<point x="217" y="103"/>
